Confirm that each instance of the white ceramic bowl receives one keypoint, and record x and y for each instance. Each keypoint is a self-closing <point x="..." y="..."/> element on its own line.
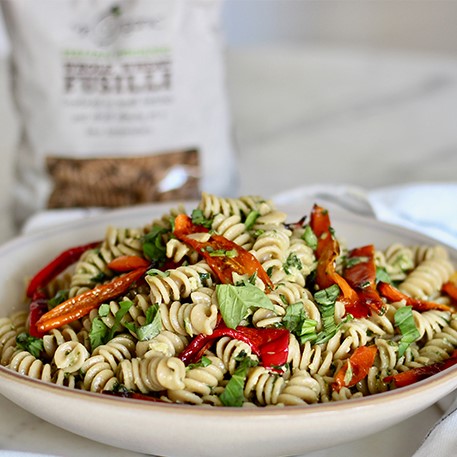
<point x="181" y="430"/>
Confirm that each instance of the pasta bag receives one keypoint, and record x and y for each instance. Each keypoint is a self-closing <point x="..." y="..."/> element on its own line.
<point x="121" y="103"/>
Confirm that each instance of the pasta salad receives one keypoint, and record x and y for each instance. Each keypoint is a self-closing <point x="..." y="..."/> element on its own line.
<point x="231" y="304"/>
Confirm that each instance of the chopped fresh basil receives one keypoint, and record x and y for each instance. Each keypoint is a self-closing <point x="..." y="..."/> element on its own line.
<point x="104" y="310"/>
<point x="233" y="394"/>
<point x="382" y="275"/>
<point x="236" y="301"/>
<point x="353" y="261"/>
<point x="241" y="280"/>
<point x="292" y="261"/>
<point x="156" y="272"/>
<point x="153" y="244"/>
<point x="308" y="331"/>
<point x="403" y="261"/>
<point x="294" y="317"/>
<point x="152" y="326"/>
<point x="58" y="298"/>
<point x="326" y="299"/>
<point x="251" y="219"/>
<point x="98" y="332"/>
<point x="99" y="278"/>
<point x="296" y="322"/>
<point x="404" y="320"/>
<point x="198" y="218"/>
<point x="327" y="296"/>
<point x="29" y="343"/>
<point x="124" y="307"/>
<point x="204" y="278"/>
<point x="231" y="253"/>
<point x="310" y="237"/>
<point x="204" y="362"/>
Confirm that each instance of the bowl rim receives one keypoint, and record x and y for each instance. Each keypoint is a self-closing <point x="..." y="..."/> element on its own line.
<point x="141" y="212"/>
<point x="369" y="401"/>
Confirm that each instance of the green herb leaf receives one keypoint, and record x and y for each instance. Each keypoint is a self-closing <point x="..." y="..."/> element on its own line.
<point x="296" y="322"/>
<point x="292" y="261"/>
<point x="326" y="299"/>
<point x="204" y="362"/>
<point x="382" y="275"/>
<point x="404" y="320"/>
<point x="198" y="218"/>
<point x="310" y="238"/>
<point x="327" y="296"/>
<point x="308" y="331"/>
<point x="153" y="324"/>
<point x="231" y="253"/>
<point x="124" y="307"/>
<point x="104" y="310"/>
<point x="29" y="343"/>
<point x="251" y="219"/>
<point x="154" y="245"/>
<point x="233" y="394"/>
<point x="58" y="298"/>
<point x="353" y="261"/>
<point x="294" y="317"/>
<point x="236" y="301"/>
<point x="156" y="272"/>
<point x="98" y="333"/>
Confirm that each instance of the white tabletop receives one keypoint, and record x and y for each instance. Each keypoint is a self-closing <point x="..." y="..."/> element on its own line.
<point x="304" y="116"/>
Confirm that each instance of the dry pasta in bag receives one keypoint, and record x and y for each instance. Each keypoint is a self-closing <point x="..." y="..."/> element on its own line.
<point x="121" y="102"/>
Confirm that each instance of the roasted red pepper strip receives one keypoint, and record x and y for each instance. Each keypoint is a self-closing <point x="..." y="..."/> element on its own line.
<point x="327" y="252"/>
<point x="56" y="266"/>
<point x="392" y="294"/>
<point x="414" y="375"/>
<point x="223" y="266"/>
<point x="361" y="276"/>
<point x="270" y="344"/>
<point x="361" y="361"/>
<point x="126" y="263"/>
<point x="37" y="308"/>
<point x="81" y="305"/>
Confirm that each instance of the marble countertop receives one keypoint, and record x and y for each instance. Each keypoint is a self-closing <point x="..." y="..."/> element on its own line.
<point x="304" y="115"/>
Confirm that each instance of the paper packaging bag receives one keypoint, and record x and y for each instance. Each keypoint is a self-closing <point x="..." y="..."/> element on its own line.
<point x="121" y="102"/>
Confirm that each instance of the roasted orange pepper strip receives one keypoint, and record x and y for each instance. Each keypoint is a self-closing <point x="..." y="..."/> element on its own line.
<point x="450" y="288"/>
<point x="394" y="295"/>
<point x="81" y="305"/>
<point x="327" y="252"/>
<point x="222" y="255"/>
<point x="126" y="263"/>
<point x="360" y="362"/>
<point x="409" y="377"/>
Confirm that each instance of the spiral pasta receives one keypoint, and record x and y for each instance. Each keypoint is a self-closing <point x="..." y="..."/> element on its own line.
<point x="427" y="278"/>
<point x="246" y="321"/>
